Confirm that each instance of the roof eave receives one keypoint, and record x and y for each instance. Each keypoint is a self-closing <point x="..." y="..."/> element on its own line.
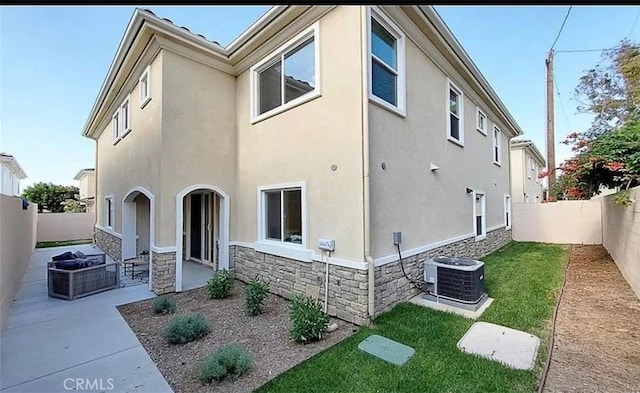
<point x="255" y="28"/>
<point x="435" y="18"/>
<point x="14" y="166"/>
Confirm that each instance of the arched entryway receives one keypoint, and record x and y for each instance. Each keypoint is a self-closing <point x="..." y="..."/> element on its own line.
<point x="202" y="234"/>
<point x="138" y="223"/>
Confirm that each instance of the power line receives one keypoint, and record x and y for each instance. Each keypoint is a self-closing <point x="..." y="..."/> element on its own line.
<point x="633" y="26"/>
<point x="582" y="50"/>
<point x="555" y="83"/>
<point x="561" y="27"/>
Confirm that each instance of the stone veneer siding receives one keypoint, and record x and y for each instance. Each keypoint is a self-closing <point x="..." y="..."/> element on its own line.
<point x="110" y="244"/>
<point x="393" y="287"/>
<point x="163" y="270"/>
<point x="287" y="277"/>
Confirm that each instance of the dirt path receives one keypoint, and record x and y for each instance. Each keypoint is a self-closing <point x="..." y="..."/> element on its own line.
<point x="597" y="341"/>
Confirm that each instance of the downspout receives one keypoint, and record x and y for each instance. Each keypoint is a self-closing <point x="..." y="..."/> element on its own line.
<point x="366" y="197"/>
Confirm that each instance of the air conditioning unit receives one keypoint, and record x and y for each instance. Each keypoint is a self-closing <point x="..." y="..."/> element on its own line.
<point x="459" y="279"/>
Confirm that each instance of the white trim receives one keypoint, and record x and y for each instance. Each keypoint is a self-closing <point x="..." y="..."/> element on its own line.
<point x="496" y="227"/>
<point x="112" y="211"/>
<point x="147" y="98"/>
<point x="281" y="51"/>
<point x="401" y="91"/>
<point x="115" y="119"/>
<point x="418" y="250"/>
<point x="479" y="111"/>
<point x="452" y="86"/>
<point x="240" y="243"/>
<point x="108" y="230"/>
<point x="161" y="250"/>
<point x="132" y="223"/>
<point x="126" y="102"/>
<point x="284" y="250"/>
<point x="261" y="210"/>
<point x="497" y="142"/>
<point x="507" y="209"/>
<point x="223" y="239"/>
<point x="483" y="207"/>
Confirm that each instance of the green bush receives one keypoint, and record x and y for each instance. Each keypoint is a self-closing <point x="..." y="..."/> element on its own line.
<point x="308" y="321"/>
<point x="163" y="304"/>
<point x="219" y="285"/>
<point x="229" y="361"/>
<point x="256" y="292"/>
<point x="186" y="328"/>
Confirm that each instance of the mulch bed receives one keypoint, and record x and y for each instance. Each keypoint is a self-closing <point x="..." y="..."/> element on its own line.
<point x="597" y="342"/>
<point x="265" y="336"/>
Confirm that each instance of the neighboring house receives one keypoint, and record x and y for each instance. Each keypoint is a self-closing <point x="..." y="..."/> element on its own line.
<point x="526" y="163"/>
<point x="379" y="123"/>
<point x="11" y="173"/>
<point x="87" y="179"/>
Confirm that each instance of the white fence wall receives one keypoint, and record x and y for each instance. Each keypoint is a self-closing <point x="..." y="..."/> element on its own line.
<point x="65" y="226"/>
<point x="563" y="222"/>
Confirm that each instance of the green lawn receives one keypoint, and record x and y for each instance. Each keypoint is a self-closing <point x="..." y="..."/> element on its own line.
<point x="523" y="278"/>
<point x="62" y="243"/>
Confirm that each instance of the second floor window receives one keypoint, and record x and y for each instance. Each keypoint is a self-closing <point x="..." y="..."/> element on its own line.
<point x="455" y="130"/>
<point x="284" y="79"/>
<point x="497" y="146"/>
<point x="145" y="91"/>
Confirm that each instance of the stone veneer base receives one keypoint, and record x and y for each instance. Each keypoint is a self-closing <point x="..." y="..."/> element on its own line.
<point x="163" y="272"/>
<point x="110" y="244"/>
<point x="347" y="298"/>
<point x="393" y="287"/>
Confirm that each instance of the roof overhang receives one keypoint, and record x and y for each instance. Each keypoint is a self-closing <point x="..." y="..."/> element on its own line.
<point x="84" y="172"/>
<point x="531" y="147"/>
<point x="11" y="162"/>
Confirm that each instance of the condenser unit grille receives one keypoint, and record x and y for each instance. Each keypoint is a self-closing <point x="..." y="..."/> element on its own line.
<point x="463" y="285"/>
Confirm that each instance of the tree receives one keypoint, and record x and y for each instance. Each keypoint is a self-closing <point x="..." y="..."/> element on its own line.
<point x="50" y="196"/>
<point x="611" y="90"/>
<point x="74" y="205"/>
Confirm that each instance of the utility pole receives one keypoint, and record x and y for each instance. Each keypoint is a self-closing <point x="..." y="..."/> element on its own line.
<point x="551" y="151"/>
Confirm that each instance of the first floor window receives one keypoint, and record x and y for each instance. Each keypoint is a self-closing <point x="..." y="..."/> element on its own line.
<point x="283" y="215"/>
<point x="479" y="213"/>
<point x="507" y="211"/>
<point x="108" y="212"/>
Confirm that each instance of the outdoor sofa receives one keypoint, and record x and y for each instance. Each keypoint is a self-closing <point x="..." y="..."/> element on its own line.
<point x="74" y="275"/>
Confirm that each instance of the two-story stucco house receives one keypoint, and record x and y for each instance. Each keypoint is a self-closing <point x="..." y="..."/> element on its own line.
<point x="87" y="186"/>
<point x="10" y="175"/>
<point x="342" y="123"/>
<point x="526" y="164"/>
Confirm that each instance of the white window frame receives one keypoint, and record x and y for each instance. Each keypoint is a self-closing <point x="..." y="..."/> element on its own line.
<point x="117" y="135"/>
<point x="529" y="165"/>
<point x="289" y="250"/>
<point x="452" y="86"/>
<point x="496" y="142"/>
<point x="507" y="210"/>
<point x="278" y="54"/>
<point x="535" y="172"/>
<point x="483" y="206"/>
<point x="480" y="112"/>
<point x="109" y="207"/>
<point x="401" y="89"/>
<point x="127" y="103"/>
<point x="144" y="100"/>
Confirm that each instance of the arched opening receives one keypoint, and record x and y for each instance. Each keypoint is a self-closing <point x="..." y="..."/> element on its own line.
<point x="202" y="235"/>
<point x="138" y="223"/>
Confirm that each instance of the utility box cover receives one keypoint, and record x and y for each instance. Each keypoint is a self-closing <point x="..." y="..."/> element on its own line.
<point x="386" y="349"/>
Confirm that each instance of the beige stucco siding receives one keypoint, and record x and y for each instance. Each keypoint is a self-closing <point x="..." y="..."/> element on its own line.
<point x="135" y="160"/>
<point x="303" y="143"/>
<point x="521" y="184"/>
<point x="198" y="134"/>
<point x="427" y="206"/>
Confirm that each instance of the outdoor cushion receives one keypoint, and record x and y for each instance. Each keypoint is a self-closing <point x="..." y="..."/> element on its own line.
<point x="79" y="254"/>
<point x="63" y="256"/>
<point x="78" y="263"/>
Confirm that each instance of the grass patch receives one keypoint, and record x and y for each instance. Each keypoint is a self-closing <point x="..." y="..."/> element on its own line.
<point x="523" y="278"/>
<point x="62" y="243"/>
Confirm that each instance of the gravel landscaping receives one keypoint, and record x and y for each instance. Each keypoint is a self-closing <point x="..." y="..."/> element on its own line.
<point x="265" y="337"/>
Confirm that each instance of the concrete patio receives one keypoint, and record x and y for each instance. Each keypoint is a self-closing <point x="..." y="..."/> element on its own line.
<point x="51" y="345"/>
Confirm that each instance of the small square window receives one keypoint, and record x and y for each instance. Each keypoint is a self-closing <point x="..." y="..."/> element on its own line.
<point x="481" y="121"/>
<point x="145" y="88"/>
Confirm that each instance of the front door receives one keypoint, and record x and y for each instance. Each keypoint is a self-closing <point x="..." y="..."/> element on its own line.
<point x="201" y="224"/>
<point x="196" y="226"/>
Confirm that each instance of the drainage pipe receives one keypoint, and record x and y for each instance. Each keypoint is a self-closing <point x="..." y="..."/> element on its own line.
<point x="326" y="285"/>
<point x="366" y="196"/>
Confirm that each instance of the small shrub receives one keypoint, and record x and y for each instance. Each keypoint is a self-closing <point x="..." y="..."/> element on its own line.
<point x="219" y="285"/>
<point x="623" y="198"/>
<point x="307" y="319"/>
<point x="256" y="292"/>
<point x="163" y="304"/>
<point x="229" y="361"/>
<point x="186" y="328"/>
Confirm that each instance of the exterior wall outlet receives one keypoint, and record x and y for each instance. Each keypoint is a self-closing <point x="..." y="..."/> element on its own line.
<point x="397" y="238"/>
<point x="327" y="244"/>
